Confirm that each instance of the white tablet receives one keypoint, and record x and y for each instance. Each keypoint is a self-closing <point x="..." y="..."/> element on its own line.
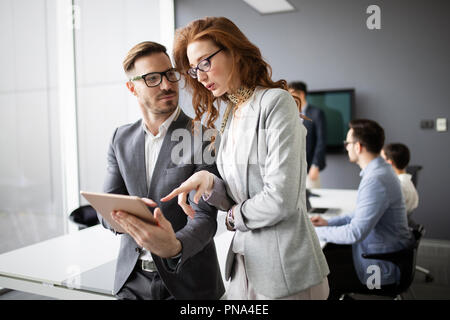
<point x="106" y="203"/>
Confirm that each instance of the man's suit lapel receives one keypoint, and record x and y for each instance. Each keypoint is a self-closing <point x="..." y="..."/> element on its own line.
<point x="308" y="123"/>
<point x="139" y="173"/>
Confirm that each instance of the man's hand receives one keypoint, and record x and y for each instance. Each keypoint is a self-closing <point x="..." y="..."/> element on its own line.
<point x="159" y="239"/>
<point x="318" y="221"/>
<point x="313" y="173"/>
<point x="201" y="181"/>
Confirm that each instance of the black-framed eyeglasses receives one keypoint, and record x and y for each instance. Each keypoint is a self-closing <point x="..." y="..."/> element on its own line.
<point x="204" y="65"/>
<point x="346" y="143"/>
<point x="154" y="79"/>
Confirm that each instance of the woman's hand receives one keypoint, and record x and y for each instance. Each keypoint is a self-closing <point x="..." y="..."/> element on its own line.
<point x="202" y="182"/>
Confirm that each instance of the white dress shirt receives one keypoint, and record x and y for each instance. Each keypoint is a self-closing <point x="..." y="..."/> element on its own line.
<point x="152" y="147"/>
<point x="409" y="192"/>
<point x="234" y="166"/>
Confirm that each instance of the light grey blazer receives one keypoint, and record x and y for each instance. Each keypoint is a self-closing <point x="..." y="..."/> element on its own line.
<point x="282" y="251"/>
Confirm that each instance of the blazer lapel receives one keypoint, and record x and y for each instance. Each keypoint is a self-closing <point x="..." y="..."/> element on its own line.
<point x="139" y="170"/>
<point x="249" y="141"/>
<point x="308" y="123"/>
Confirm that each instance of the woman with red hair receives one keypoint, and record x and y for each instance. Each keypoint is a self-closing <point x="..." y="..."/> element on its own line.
<point x="275" y="253"/>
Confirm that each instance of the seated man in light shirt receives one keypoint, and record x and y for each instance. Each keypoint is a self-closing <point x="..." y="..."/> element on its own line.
<point x="398" y="155"/>
<point x="378" y="224"/>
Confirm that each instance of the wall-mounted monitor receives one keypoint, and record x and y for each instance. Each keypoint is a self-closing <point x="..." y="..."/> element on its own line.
<point x="338" y="106"/>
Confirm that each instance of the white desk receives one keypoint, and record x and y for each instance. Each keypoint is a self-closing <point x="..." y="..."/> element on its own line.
<point x="66" y="267"/>
<point x="76" y="266"/>
<point x="82" y="265"/>
<point x="342" y="199"/>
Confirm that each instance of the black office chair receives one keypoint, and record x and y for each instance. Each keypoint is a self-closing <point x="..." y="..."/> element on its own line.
<point x="413" y="170"/>
<point x="406" y="261"/>
<point x="84" y="216"/>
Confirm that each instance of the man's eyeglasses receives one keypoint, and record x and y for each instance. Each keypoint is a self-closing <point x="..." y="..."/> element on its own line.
<point x="154" y="79"/>
<point x="204" y="65"/>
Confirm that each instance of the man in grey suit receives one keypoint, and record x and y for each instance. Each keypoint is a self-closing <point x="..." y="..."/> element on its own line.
<point x="175" y="258"/>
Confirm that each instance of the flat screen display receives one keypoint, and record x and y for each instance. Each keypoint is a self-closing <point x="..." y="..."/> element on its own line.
<point x="338" y="107"/>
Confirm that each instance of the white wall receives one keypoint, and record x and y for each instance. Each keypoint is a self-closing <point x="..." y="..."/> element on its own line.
<point x="31" y="184"/>
<point x="107" y="30"/>
<point x="30" y="189"/>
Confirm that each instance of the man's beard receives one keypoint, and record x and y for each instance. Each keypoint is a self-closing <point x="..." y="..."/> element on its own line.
<point x="170" y="105"/>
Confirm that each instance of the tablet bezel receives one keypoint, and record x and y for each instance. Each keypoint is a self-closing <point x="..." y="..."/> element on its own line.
<point x="106" y="203"/>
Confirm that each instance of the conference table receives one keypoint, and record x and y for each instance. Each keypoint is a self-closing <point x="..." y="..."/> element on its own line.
<point x="81" y="265"/>
<point x="338" y="202"/>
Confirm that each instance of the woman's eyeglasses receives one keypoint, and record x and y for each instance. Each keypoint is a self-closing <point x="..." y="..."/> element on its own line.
<point x="204" y="65"/>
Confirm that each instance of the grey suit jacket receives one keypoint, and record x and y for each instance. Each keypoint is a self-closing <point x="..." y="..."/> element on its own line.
<point x="282" y="251"/>
<point x="197" y="276"/>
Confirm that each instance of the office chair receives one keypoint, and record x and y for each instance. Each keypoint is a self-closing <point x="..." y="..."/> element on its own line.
<point x="405" y="259"/>
<point x="84" y="216"/>
<point x="413" y="170"/>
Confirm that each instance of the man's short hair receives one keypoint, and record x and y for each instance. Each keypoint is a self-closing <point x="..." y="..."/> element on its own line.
<point x="369" y="133"/>
<point x="142" y="49"/>
<point x="398" y="153"/>
<point x="298" y="86"/>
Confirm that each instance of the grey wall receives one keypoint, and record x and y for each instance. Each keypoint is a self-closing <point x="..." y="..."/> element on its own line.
<point x="400" y="74"/>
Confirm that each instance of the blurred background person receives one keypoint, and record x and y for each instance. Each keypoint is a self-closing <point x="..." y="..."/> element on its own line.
<point x="316" y="134"/>
<point x="398" y="155"/>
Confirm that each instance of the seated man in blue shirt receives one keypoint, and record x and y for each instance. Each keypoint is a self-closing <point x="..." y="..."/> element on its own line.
<point x="377" y="225"/>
